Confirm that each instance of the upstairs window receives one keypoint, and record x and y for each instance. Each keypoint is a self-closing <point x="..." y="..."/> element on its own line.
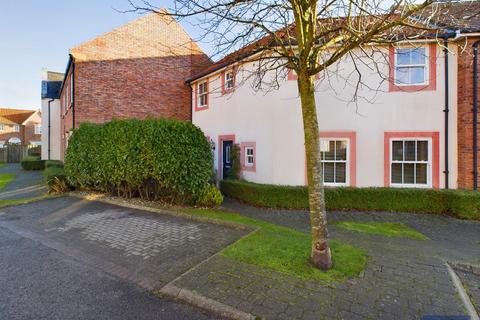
<point x="2" y="127"/>
<point x="16" y="128"/>
<point x="411" y="66"/>
<point x="38" y="129"/>
<point x="229" y="80"/>
<point x="202" y="94"/>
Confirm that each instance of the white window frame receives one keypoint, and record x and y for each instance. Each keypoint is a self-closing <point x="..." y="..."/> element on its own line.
<point x="229" y="83"/>
<point x="428" y="163"/>
<point x="251" y="156"/>
<point x="202" y="94"/>
<point x="426" y="66"/>
<point x="38" y="128"/>
<point x="347" y="162"/>
<point x="16" y="128"/>
<point x="2" y="127"/>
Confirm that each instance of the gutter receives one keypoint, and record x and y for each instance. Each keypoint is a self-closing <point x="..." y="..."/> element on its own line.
<point x="49" y="126"/>
<point x="475" y="114"/>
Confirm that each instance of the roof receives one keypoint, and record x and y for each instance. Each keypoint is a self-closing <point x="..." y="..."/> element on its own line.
<point x="151" y="35"/>
<point x="456" y="15"/>
<point x="15" y="116"/>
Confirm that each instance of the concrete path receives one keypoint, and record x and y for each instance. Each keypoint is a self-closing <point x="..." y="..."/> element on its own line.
<point x="67" y="258"/>
<point x="27" y="184"/>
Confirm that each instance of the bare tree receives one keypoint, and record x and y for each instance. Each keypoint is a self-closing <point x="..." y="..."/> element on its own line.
<point x="307" y="37"/>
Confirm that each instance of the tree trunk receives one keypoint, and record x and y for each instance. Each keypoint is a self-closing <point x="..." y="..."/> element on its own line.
<point x="320" y="256"/>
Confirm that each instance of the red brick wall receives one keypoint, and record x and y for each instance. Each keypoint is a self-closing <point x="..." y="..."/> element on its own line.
<point x="132" y="88"/>
<point x="20" y="135"/>
<point x="135" y="71"/>
<point x="465" y="116"/>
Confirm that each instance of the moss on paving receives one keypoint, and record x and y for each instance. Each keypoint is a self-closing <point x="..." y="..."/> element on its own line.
<point x="286" y="250"/>
<point x="387" y="229"/>
<point x="6" y="178"/>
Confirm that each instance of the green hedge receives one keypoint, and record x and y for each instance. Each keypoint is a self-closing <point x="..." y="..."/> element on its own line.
<point x="462" y="204"/>
<point x="154" y="158"/>
<point x="53" y="163"/>
<point x="51" y="172"/>
<point x="33" y="164"/>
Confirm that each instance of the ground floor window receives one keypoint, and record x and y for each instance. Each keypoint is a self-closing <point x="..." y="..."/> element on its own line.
<point x="335" y="161"/>
<point x="248" y="156"/>
<point x="410" y="162"/>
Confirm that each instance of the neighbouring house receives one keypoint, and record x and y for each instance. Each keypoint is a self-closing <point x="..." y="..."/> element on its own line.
<point x="417" y="130"/>
<point x="20" y="126"/>
<point x="51" y="116"/>
<point x="135" y="71"/>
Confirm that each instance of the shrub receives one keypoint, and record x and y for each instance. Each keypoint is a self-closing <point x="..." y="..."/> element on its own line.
<point x="56" y="180"/>
<point x="151" y="158"/>
<point x="462" y="204"/>
<point x="53" y="163"/>
<point x="33" y="164"/>
<point x="31" y="158"/>
<point x="210" y="197"/>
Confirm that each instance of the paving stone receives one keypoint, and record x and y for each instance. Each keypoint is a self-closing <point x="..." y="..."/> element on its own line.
<point x="404" y="278"/>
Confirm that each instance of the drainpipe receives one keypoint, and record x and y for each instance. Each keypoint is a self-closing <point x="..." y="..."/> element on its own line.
<point x="49" y="126"/>
<point x="446" y="111"/>
<point x="73" y="92"/>
<point x="475" y="114"/>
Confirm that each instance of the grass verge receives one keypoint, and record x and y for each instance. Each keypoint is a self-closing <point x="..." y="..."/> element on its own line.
<point x="285" y="250"/>
<point x="6" y="178"/>
<point x="387" y="229"/>
<point x="13" y="202"/>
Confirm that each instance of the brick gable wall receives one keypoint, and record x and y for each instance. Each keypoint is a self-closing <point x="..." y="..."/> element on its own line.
<point x="135" y="71"/>
<point x="465" y="116"/>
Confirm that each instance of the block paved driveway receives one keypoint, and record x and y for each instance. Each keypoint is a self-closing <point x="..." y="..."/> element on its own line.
<point x="67" y="258"/>
<point x="404" y="278"/>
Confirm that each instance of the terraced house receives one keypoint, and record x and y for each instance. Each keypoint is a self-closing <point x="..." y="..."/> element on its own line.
<point x="135" y="71"/>
<point x="19" y="126"/>
<point x="416" y="128"/>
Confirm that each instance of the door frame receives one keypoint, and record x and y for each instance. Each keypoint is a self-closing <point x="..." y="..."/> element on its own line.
<point x="221" y="139"/>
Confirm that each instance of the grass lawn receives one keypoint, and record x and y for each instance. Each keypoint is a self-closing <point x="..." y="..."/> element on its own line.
<point x="387" y="229"/>
<point x="5" y="178"/>
<point x="6" y="203"/>
<point x="286" y="250"/>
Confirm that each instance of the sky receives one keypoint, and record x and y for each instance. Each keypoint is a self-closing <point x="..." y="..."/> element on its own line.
<point x="36" y="34"/>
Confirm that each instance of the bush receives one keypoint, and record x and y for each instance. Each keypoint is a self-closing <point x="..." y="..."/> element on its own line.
<point x="33" y="164"/>
<point x="56" y="180"/>
<point x="153" y="159"/>
<point x="31" y="158"/>
<point x="461" y="204"/>
<point x="53" y="163"/>
<point x="210" y="197"/>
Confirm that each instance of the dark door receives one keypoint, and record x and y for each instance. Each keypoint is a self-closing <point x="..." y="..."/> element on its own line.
<point x="227" y="158"/>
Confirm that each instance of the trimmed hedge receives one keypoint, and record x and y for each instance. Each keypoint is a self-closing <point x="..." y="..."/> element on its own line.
<point x="51" y="172"/>
<point x="33" y="164"/>
<point x="53" y="163"/>
<point x="462" y="204"/>
<point x="154" y="159"/>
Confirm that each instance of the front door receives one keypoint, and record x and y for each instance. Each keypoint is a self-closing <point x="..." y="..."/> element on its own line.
<point x="227" y="158"/>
